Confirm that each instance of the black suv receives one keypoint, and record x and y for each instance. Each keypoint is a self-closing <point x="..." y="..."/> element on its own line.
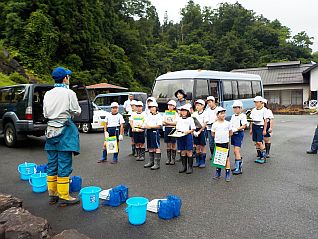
<point x="21" y="110"/>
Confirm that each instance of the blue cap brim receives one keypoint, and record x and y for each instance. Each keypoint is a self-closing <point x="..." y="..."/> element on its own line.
<point x="69" y="72"/>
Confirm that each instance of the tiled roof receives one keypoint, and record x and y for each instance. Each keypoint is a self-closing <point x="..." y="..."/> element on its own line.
<point x="106" y="86"/>
<point x="279" y="73"/>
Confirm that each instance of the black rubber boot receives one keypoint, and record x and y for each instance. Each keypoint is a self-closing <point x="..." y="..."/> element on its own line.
<point x="138" y="154"/>
<point x="173" y="157"/>
<point x="190" y="165"/>
<point x="184" y="164"/>
<point x="151" y="160"/>
<point x="157" y="161"/>
<point x="168" y="156"/>
<point x="268" y="149"/>
<point x="142" y="154"/>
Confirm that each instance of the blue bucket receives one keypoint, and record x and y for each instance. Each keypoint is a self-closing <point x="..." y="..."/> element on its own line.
<point x="76" y="184"/>
<point x="38" y="182"/>
<point x="137" y="210"/>
<point x="90" y="198"/>
<point x="41" y="168"/>
<point x="26" y="170"/>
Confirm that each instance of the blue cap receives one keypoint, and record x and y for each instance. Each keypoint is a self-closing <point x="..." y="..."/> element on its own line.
<point x="59" y="73"/>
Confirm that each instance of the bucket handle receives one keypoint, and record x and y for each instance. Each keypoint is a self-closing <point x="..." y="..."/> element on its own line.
<point x="127" y="208"/>
<point x="30" y="182"/>
<point x="23" y="173"/>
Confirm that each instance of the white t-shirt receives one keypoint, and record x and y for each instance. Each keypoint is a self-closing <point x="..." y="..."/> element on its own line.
<point x="153" y="120"/>
<point x="185" y="124"/>
<point x="114" y="120"/>
<point x="127" y="105"/>
<point x="222" y="131"/>
<point x="258" y="116"/>
<point x="269" y="115"/>
<point x="238" y="121"/>
<point x="201" y="117"/>
<point x="211" y="117"/>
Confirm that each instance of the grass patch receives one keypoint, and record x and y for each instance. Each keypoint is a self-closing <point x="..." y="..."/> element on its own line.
<point x="5" y="80"/>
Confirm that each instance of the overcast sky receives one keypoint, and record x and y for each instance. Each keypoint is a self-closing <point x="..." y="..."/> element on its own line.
<point x="297" y="15"/>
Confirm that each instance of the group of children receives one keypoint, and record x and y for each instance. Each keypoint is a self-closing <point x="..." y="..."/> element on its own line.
<point x="186" y="131"/>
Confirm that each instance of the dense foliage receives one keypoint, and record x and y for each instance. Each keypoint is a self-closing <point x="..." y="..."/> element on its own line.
<point x="123" y="42"/>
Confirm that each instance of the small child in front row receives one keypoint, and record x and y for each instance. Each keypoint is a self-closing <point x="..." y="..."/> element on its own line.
<point x="114" y="127"/>
<point x="238" y="124"/>
<point x="153" y="123"/>
<point x="137" y="121"/>
<point x="222" y="131"/>
<point x="258" y="128"/>
<point x="185" y="124"/>
<point x="269" y="129"/>
<point x="169" y="122"/>
<point x="200" y="133"/>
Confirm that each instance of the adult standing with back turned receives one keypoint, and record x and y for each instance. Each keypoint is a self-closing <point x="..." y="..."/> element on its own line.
<point x="62" y="138"/>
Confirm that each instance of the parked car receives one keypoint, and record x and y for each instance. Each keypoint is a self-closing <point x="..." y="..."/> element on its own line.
<point x="99" y="117"/>
<point x="21" y="110"/>
<point x="103" y="101"/>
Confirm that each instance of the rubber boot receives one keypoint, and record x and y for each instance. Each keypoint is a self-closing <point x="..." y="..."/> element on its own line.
<point x="268" y="148"/>
<point x="63" y="188"/>
<point x="228" y="175"/>
<point x="173" y="157"/>
<point x="190" y="165"/>
<point x="168" y="156"/>
<point x="52" y="189"/>
<point x="142" y="154"/>
<point x="217" y="174"/>
<point x="157" y="161"/>
<point x="138" y="154"/>
<point x="202" y="163"/>
<point x="262" y="158"/>
<point x="258" y="153"/>
<point x="184" y="164"/>
<point x="197" y="161"/>
<point x="212" y="152"/>
<point x="180" y="158"/>
<point x="151" y="160"/>
<point x="238" y="167"/>
<point x="115" y="158"/>
<point x="133" y="150"/>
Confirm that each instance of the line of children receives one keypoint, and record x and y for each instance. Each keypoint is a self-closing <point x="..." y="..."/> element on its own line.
<point x="200" y="133"/>
<point x="153" y="123"/>
<point x="114" y="126"/>
<point x="269" y="129"/>
<point x="169" y="123"/>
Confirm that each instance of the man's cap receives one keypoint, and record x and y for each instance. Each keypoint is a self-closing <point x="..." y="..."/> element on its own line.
<point x="200" y="102"/>
<point x="210" y="98"/>
<point x="172" y="102"/>
<point x="60" y="72"/>
<point x="139" y="103"/>
<point x="237" y="103"/>
<point x="114" y="104"/>
<point x="258" y="98"/>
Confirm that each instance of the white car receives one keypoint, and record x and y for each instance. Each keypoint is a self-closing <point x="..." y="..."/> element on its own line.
<point x="98" y="121"/>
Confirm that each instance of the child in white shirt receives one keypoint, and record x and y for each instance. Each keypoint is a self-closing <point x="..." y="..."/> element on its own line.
<point x="153" y="123"/>
<point x="221" y="131"/>
<point x="211" y="112"/>
<point x="269" y="129"/>
<point x="238" y="124"/>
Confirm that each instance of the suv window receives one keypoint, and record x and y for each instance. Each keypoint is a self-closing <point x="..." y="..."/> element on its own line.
<point x="99" y="101"/>
<point x="110" y="99"/>
<point x="123" y="98"/>
<point x="5" y="95"/>
<point x="18" y="94"/>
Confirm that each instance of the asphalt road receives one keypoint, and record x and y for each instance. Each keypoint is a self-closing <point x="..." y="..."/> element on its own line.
<point x="276" y="200"/>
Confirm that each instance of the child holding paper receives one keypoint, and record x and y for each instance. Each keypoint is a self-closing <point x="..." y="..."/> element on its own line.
<point x="169" y="122"/>
<point x="221" y="131"/>
<point x="114" y="127"/>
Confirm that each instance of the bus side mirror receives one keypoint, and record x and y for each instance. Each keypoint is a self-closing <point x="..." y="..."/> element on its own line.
<point x="189" y="95"/>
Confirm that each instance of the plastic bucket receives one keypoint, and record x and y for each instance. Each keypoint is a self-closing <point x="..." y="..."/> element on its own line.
<point x="38" y="182"/>
<point x="90" y="198"/>
<point x="26" y="170"/>
<point x="76" y="184"/>
<point x="137" y="210"/>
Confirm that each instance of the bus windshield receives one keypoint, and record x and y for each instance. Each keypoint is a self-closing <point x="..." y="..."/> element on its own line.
<point x="166" y="88"/>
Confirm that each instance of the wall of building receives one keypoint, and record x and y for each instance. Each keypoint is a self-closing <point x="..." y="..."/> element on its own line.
<point x="314" y="79"/>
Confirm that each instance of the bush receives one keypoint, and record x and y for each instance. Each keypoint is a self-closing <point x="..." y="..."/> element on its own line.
<point x="5" y="81"/>
<point x="17" y="78"/>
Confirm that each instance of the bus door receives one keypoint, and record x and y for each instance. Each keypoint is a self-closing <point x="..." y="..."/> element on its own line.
<point x="214" y="90"/>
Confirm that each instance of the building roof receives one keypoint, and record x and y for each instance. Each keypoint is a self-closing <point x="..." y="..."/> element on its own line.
<point x="105" y="86"/>
<point x="280" y="73"/>
<point x="310" y="68"/>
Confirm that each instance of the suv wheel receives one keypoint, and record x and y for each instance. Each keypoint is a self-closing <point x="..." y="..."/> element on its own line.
<point x="10" y="135"/>
<point x="86" y="127"/>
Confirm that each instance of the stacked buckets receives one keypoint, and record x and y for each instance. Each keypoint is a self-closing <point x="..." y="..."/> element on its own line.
<point x="37" y="180"/>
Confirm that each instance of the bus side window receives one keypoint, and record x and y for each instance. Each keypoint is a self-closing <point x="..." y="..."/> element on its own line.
<point x="235" y="90"/>
<point x="201" y="91"/>
<point x="245" y="89"/>
<point x="257" y="89"/>
<point x="227" y="90"/>
<point x="214" y="90"/>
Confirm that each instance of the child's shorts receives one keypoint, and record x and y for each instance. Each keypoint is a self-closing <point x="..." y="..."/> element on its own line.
<point x="185" y="142"/>
<point x="153" y="139"/>
<point x="224" y="145"/>
<point x="257" y="133"/>
<point x="113" y="131"/>
<point x="237" y="139"/>
<point x="267" y="135"/>
<point x="201" y="139"/>
<point x="139" y="137"/>
<point x="168" y="139"/>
